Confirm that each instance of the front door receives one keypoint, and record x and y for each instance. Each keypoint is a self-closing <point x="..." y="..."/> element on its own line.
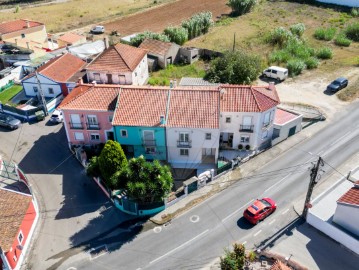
<point x="110" y="135"/>
<point x="109" y="78"/>
<point x="291" y="131"/>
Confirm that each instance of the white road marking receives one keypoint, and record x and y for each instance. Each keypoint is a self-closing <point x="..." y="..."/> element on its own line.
<point x="157" y="229"/>
<point x="281" y="180"/>
<point x="271" y="222"/>
<point x="339" y="139"/>
<point x="173" y="250"/>
<point x="285" y="211"/>
<point x="257" y="233"/>
<point x="235" y="212"/>
<point x="194" y="218"/>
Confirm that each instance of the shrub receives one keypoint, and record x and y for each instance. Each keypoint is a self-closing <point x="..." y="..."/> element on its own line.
<point x="198" y="24"/>
<point x="297" y="29"/>
<point x="240" y="7"/>
<point x="280" y="56"/>
<point x="352" y="31"/>
<point x="311" y="62"/>
<point x="93" y="168"/>
<point x="354" y="12"/>
<point x="159" y="81"/>
<point x="325" y="33"/>
<point x="342" y="40"/>
<point x="279" y="36"/>
<point x="137" y="40"/>
<point x="178" y="35"/>
<point x="325" y="53"/>
<point x="252" y="256"/>
<point x="299" y="49"/>
<point x="295" y="67"/>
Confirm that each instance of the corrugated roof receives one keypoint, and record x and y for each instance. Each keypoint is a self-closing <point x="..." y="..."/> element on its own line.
<point x="17" y="25"/>
<point x="284" y="116"/>
<point x="187" y="81"/>
<point x="13" y="208"/>
<point x="350" y="197"/>
<point x="243" y="98"/>
<point x="118" y="58"/>
<point x="156" y="46"/>
<point x="94" y="98"/>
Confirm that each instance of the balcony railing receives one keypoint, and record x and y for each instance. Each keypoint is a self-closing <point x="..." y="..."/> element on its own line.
<point x="149" y="142"/>
<point x="184" y="144"/>
<point x="76" y="125"/>
<point x="93" y="126"/>
<point x="246" y="128"/>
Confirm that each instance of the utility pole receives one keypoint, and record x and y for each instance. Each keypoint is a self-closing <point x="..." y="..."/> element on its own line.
<point x="43" y="101"/>
<point x="312" y="183"/>
<point x="234" y="41"/>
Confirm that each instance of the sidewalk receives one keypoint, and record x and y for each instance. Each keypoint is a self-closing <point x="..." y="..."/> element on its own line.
<point x="231" y="177"/>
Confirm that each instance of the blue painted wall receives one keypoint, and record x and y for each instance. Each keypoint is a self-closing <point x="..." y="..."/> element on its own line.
<point x="135" y="139"/>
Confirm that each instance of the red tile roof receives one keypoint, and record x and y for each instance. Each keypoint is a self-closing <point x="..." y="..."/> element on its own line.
<point x="278" y="265"/>
<point x="13" y="207"/>
<point x="61" y="68"/>
<point x="351" y="197"/>
<point x="156" y="46"/>
<point x="241" y="98"/>
<point x="118" y="58"/>
<point x="94" y="98"/>
<point x="71" y="38"/>
<point x="193" y="108"/>
<point x="13" y="26"/>
<point x="140" y="106"/>
<point x="283" y="116"/>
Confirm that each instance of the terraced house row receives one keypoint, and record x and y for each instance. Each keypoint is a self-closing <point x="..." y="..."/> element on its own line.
<point x="185" y="126"/>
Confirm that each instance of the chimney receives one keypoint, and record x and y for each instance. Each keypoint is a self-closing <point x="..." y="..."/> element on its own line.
<point x="222" y="92"/>
<point x="162" y="120"/>
<point x="27" y="24"/>
<point x="171" y="84"/>
<point x="16" y="41"/>
<point x="94" y="83"/>
<point x="271" y="86"/>
<point x="174" y="83"/>
<point x="105" y="41"/>
<point x="27" y="44"/>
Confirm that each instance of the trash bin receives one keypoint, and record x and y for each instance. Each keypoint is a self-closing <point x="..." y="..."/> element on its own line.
<point x="40" y="115"/>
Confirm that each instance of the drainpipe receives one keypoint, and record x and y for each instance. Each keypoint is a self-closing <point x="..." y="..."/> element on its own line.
<point x="166" y="118"/>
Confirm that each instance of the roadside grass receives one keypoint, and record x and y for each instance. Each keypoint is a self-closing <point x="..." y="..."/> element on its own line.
<point x="350" y="93"/>
<point x="176" y="72"/>
<point x="7" y="95"/>
<point x="76" y="13"/>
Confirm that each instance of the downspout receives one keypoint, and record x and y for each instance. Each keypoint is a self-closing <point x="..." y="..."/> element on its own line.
<point x="114" y="128"/>
<point x="166" y="118"/>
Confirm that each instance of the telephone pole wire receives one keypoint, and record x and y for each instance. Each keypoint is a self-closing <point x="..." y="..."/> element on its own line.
<point x="312" y="183"/>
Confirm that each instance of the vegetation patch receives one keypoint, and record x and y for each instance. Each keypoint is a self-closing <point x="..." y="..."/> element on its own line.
<point x="7" y="95"/>
<point x="352" y="31"/>
<point x="351" y="92"/>
<point x="326" y="34"/>
<point x="342" y="40"/>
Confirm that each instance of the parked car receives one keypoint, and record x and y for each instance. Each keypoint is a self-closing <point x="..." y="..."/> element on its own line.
<point x="57" y="117"/>
<point x="9" y="121"/>
<point x="259" y="210"/>
<point x="98" y="29"/>
<point x="337" y="84"/>
<point x="277" y="73"/>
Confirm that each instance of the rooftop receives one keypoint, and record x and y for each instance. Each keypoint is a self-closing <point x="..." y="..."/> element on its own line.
<point x="351" y="196"/>
<point x="17" y="25"/>
<point x="187" y="81"/>
<point x="156" y="46"/>
<point x="71" y="37"/>
<point x="13" y="208"/>
<point x="283" y="116"/>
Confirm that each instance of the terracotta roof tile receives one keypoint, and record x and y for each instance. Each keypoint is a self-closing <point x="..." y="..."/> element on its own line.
<point x="94" y="98"/>
<point x="71" y="37"/>
<point x="13" y="207"/>
<point x="140" y="106"/>
<point x="193" y="108"/>
<point x="61" y="68"/>
<point x="241" y="98"/>
<point x="156" y="46"/>
<point x="350" y="197"/>
<point x="283" y="116"/>
<point x="118" y="58"/>
<point x="278" y="265"/>
<point x="13" y="26"/>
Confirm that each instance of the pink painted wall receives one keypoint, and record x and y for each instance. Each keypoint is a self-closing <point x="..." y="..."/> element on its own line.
<point x="102" y="119"/>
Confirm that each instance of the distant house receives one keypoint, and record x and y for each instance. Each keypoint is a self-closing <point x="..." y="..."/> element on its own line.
<point x="18" y="215"/>
<point x="160" y="52"/>
<point x="88" y="111"/>
<point x="70" y="39"/>
<point x="58" y="76"/>
<point x="119" y="64"/>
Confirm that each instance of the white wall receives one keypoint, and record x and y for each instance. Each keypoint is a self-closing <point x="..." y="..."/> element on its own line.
<point x="347" y="216"/>
<point x="46" y="83"/>
<point x="333" y="232"/>
<point x="284" y="129"/>
<point x="197" y="136"/>
<point x="349" y="3"/>
<point x="115" y="77"/>
<point x="140" y="74"/>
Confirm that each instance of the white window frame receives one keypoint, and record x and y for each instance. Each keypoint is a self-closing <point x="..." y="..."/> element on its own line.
<point x="96" y="135"/>
<point x="22" y="237"/>
<point x="123" y="130"/>
<point x="265" y="134"/>
<point x="229" y="119"/>
<point x="245" y="139"/>
<point x="183" y="137"/>
<point x="78" y="133"/>
<point x="51" y="90"/>
<point x="208" y="136"/>
<point x="92" y="119"/>
<point x="184" y="152"/>
<point x="266" y="120"/>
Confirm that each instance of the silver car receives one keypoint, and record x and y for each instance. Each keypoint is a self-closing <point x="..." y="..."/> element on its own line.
<point x="9" y="121"/>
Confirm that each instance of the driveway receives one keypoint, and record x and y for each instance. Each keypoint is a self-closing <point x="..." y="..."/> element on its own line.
<point x="73" y="210"/>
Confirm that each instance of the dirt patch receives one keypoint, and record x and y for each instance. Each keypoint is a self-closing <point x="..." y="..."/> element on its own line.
<point x="157" y="19"/>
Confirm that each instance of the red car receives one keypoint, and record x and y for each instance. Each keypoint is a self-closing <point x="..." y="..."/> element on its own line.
<point x="259" y="210"/>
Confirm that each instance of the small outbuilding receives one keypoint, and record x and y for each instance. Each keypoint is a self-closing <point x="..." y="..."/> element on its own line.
<point x="285" y="124"/>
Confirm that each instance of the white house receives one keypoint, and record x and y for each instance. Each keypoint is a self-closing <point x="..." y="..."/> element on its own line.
<point x="119" y="64"/>
<point x="192" y="129"/>
<point x="58" y="76"/>
<point x="246" y="116"/>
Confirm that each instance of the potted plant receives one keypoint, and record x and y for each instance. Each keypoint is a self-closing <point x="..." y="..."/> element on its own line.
<point x="248" y="147"/>
<point x="240" y="146"/>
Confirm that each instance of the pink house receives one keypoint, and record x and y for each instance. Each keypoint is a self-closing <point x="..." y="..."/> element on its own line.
<point x="88" y="112"/>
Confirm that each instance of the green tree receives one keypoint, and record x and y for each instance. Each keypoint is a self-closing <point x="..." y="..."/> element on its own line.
<point x="178" y="35"/>
<point x="93" y="168"/>
<point x="234" y="260"/>
<point x="145" y="182"/>
<point x="198" y="24"/>
<point x="235" y="68"/>
<point x="111" y="160"/>
<point x="137" y="40"/>
<point x="240" y="7"/>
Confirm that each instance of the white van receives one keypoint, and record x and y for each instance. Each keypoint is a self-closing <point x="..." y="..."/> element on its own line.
<point x="274" y="72"/>
<point x="98" y="29"/>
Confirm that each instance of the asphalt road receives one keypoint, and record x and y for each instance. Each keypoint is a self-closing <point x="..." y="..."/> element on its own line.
<point x="198" y="237"/>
